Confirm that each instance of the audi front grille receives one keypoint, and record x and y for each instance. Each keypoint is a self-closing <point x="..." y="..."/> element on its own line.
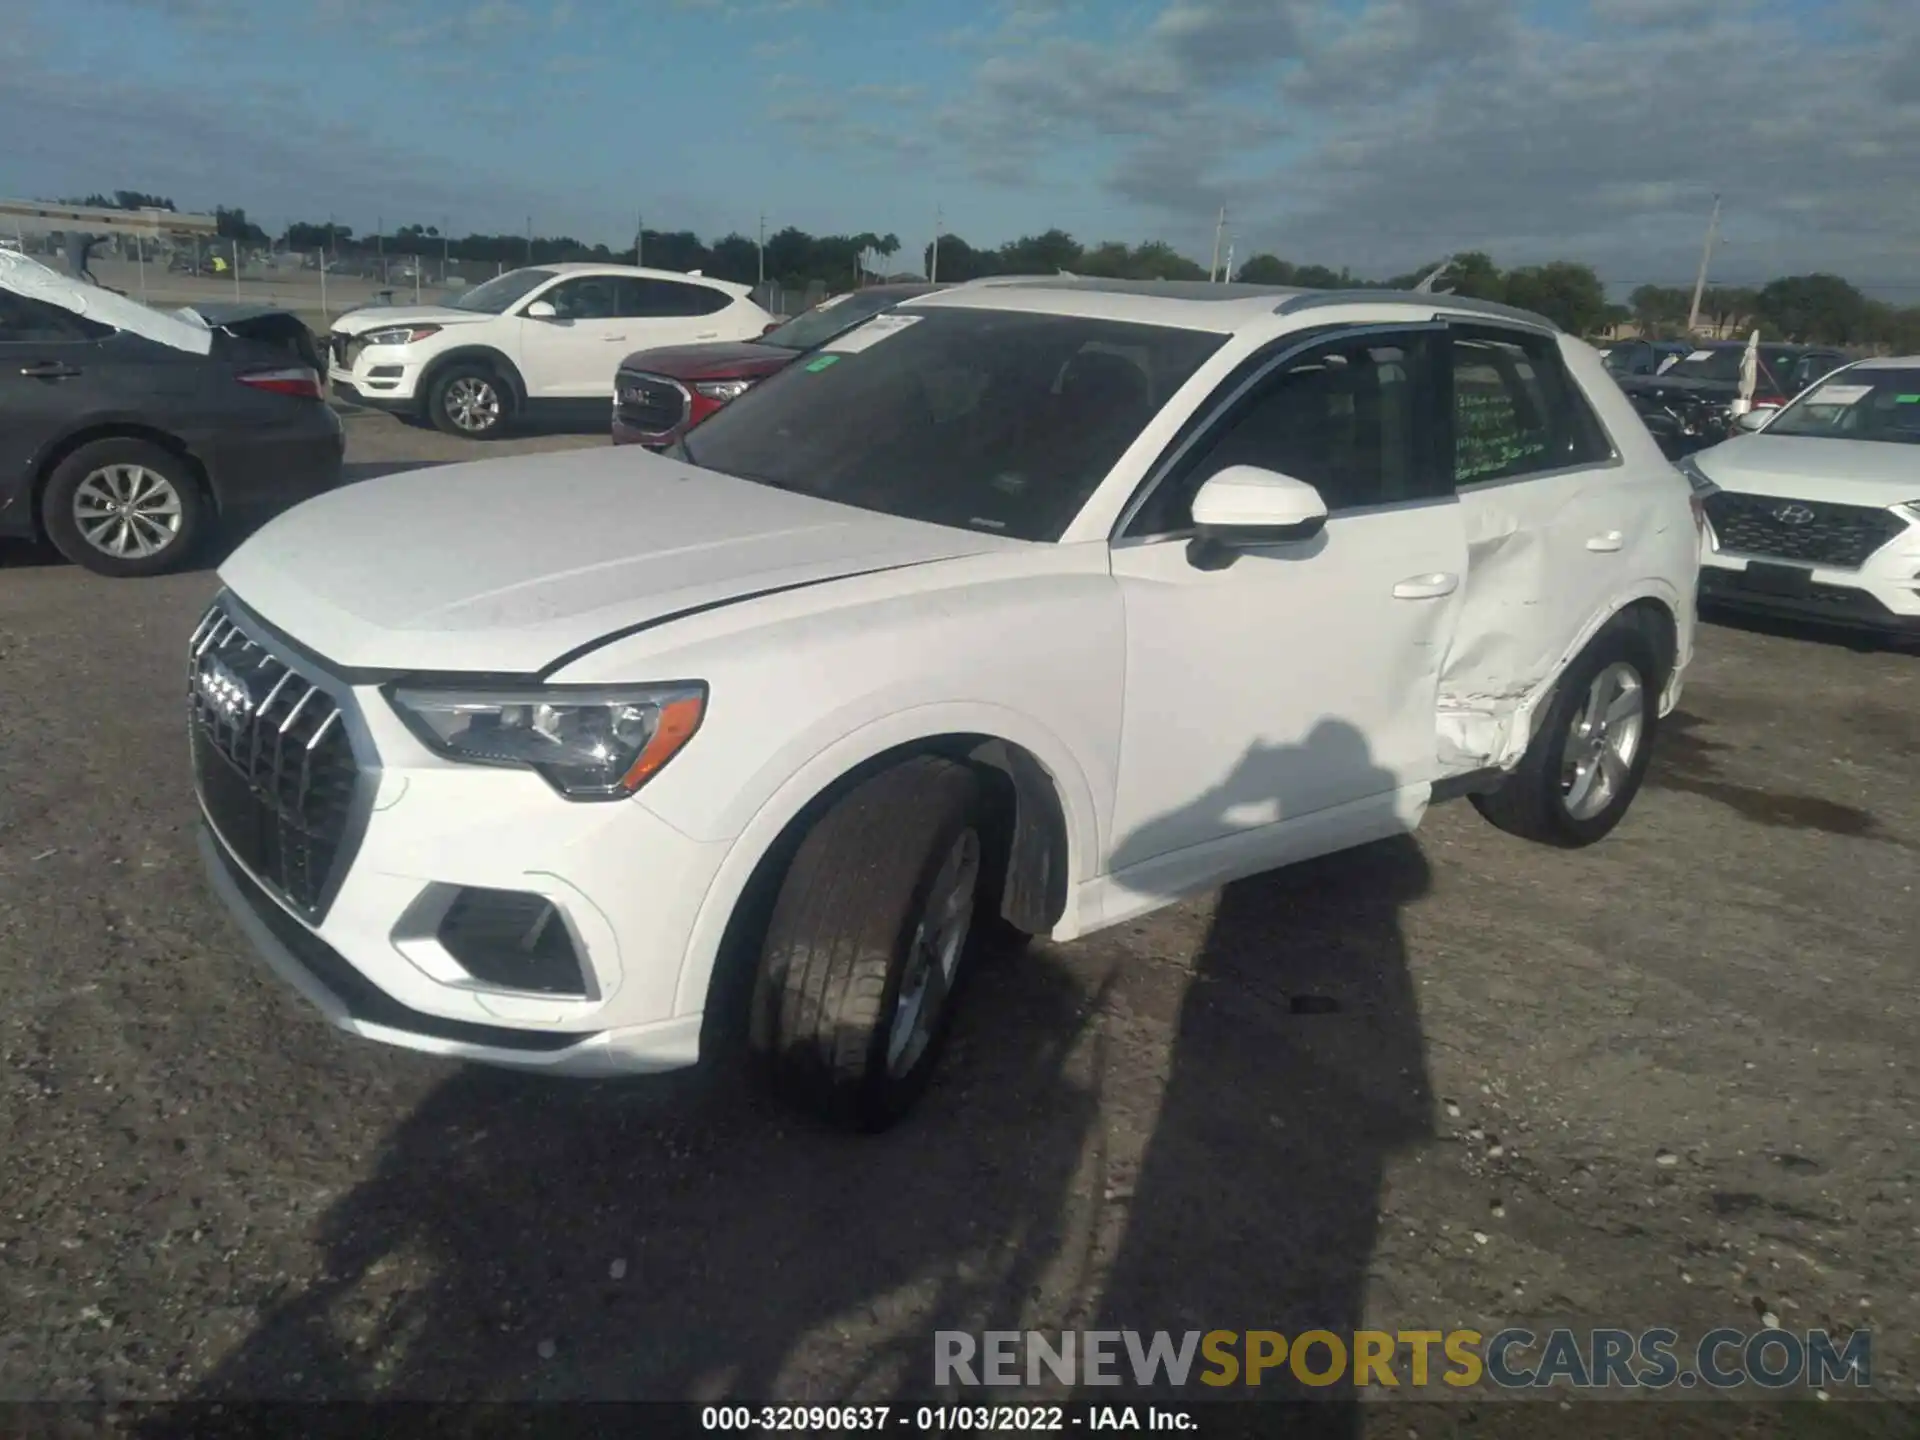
<point x="273" y="762"/>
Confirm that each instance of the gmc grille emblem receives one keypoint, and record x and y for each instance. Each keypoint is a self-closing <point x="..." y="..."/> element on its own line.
<point x="224" y="693"/>
<point x="1794" y="514"/>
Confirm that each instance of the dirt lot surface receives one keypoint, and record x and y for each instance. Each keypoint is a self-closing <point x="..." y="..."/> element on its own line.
<point x="1452" y="1082"/>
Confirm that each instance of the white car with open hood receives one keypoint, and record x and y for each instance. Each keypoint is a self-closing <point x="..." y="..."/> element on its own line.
<point x="537" y="337"/>
<point x="1023" y="608"/>
<point x="1816" y="514"/>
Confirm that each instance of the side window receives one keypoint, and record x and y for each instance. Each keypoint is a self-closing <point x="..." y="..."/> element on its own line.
<point x="591" y="297"/>
<point x="26" y="321"/>
<point x="659" y="299"/>
<point x="1516" y="411"/>
<point x="1349" y="417"/>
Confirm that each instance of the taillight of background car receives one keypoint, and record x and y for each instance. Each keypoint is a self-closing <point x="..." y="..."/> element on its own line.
<point x="295" y="380"/>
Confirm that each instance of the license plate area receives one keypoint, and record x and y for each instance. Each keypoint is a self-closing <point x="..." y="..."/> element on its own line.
<point x="1786" y="581"/>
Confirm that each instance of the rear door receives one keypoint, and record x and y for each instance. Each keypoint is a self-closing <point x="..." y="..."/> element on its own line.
<point x="676" y="312"/>
<point x="1549" y="525"/>
<point x="52" y="370"/>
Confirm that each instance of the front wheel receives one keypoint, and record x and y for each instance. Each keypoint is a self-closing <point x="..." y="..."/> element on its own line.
<point x="470" y="401"/>
<point x="1590" y="753"/>
<point x="868" y="940"/>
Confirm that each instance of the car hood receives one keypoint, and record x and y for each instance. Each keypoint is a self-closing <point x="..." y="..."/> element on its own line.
<point x="382" y="317"/>
<point x="504" y="566"/>
<point x="1850" y="472"/>
<point x="720" y="360"/>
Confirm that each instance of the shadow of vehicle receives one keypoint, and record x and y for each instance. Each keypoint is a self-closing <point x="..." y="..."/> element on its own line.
<point x="1298" y="1067"/>
<point x="684" y="1238"/>
<point x="1866" y="642"/>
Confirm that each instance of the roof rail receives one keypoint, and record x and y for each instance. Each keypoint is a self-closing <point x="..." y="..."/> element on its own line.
<point x="1314" y="299"/>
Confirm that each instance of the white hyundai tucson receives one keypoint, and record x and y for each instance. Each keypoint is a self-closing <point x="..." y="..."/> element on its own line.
<point x="1027" y="608"/>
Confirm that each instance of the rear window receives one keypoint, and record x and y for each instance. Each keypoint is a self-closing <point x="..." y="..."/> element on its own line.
<point x="983" y="419"/>
<point x="1723" y="363"/>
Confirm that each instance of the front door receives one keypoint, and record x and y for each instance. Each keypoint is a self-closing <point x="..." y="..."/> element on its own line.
<point x="573" y="355"/>
<point x="52" y="371"/>
<point x="1284" y="705"/>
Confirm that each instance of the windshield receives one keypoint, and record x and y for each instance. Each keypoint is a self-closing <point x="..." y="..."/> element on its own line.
<point x="1874" y="403"/>
<point x="983" y="419"/>
<point x="830" y="318"/>
<point x="497" y="294"/>
<point x="1724" y="364"/>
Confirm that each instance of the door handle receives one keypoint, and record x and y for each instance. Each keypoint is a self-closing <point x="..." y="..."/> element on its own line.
<point x="1607" y="543"/>
<point x="615" y="339"/>
<point x="1426" y="587"/>
<point x="708" y="335"/>
<point x="49" y="370"/>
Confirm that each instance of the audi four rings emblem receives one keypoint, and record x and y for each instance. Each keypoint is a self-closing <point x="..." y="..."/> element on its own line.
<point x="1795" y="514"/>
<point x="224" y="693"/>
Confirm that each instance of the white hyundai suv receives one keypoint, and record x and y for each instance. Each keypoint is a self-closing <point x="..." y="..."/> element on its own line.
<point x="1816" y="515"/>
<point x="544" y="335"/>
<point x="1029" y="607"/>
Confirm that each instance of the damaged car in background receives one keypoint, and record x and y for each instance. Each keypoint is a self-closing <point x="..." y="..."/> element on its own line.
<point x="1020" y="609"/>
<point x="1694" y="401"/>
<point x="127" y="436"/>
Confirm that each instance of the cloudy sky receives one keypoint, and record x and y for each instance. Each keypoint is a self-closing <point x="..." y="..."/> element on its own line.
<point x="1372" y="133"/>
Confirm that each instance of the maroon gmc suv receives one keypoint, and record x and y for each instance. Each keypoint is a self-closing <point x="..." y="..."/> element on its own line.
<point x="659" y="395"/>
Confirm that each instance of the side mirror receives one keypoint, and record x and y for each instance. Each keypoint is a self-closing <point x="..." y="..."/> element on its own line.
<point x="1244" y="507"/>
<point x="1754" y="419"/>
<point x="542" y="310"/>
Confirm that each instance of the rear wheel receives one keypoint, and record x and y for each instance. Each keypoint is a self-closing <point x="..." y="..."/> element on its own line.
<point x="124" y="508"/>
<point x="470" y="401"/>
<point x="1591" y="750"/>
<point x="868" y="942"/>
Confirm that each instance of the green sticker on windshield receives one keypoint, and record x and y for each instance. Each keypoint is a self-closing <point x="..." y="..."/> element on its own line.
<point x="823" y="362"/>
<point x="1906" y="399"/>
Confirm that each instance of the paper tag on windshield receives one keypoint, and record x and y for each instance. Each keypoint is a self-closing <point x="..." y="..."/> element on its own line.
<point x="1840" y="394"/>
<point x="863" y="337"/>
<point x="1700" y="355"/>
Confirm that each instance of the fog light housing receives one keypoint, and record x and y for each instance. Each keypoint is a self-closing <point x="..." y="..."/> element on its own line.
<point x="513" y="940"/>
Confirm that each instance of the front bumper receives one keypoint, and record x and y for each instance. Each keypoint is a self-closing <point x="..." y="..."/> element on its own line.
<point x="627" y="886"/>
<point x="625" y="434"/>
<point x="345" y="390"/>
<point x="1846" y="606"/>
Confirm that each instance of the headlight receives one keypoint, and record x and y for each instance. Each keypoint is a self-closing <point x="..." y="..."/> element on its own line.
<point x="400" y="334"/>
<point x="723" y="390"/>
<point x="589" y="744"/>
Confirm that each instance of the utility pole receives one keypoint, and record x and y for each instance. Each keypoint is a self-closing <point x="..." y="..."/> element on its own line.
<point x="933" y="262"/>
<point x="529" y="239"/>
<point x="1706" y="257"/>
<point x="446" y="246"/>
<point x="1219" y="228"/>
<point x="639" y="238"/>
<point x="763" y="247"/>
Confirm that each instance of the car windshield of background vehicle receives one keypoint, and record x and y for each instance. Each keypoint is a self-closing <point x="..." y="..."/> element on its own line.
<point x="1868" y="404"/>
<point x="982" y="419"/>
<point x="493" y="297"/>
<point x="1724" y="364"/>
<point x="828" y="319"/>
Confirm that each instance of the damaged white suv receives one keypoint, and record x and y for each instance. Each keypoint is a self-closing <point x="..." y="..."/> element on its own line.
<point x="1030" y="606"/>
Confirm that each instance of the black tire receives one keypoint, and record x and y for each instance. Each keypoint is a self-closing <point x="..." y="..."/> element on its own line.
<point x="1532" y="802"/>
<point x="449" y="415"/>
<point x="70" y="510"/>
<point x="839" y="948"/>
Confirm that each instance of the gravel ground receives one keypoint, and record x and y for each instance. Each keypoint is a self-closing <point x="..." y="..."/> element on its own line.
<point x="1451" y="1082"/>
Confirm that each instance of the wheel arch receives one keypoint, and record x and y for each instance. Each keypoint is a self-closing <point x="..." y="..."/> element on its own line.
<point x="1048" y="840"/>
<point x="1652" y="607"/>
<point x="57" y="453"/>
<point x="495" y="359"/>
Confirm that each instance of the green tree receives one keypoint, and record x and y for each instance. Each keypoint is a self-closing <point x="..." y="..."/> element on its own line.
<point x="1047" y="253"/>
<point x="960" y="262"/>
<point x="1659" y="309"/>
<point x="1822" y="309"/>
<point x="1264" y="269"/>
<point x="1568" y="294"/>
